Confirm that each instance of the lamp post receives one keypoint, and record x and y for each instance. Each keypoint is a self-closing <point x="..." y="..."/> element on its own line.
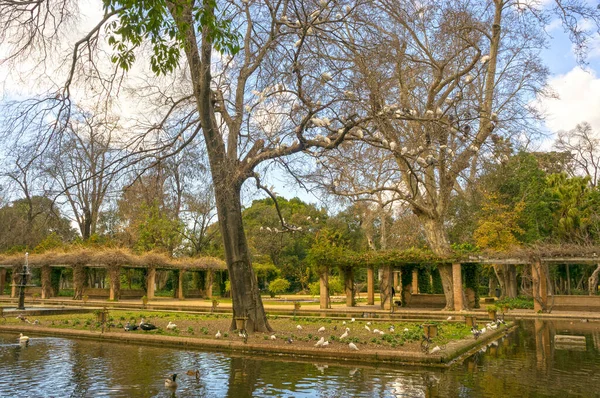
<point x="24" y="275"/>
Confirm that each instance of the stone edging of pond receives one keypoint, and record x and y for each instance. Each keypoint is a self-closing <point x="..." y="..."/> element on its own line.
<point x="441" y="359"/>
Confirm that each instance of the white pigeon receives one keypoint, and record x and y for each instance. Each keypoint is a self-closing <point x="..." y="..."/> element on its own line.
<point x="483" y="330"/>
<point x="299" y="327"/>
<point x="218" y="335"/>
<point x="343" y="336"/>
<point x="392" y="329"/>
<point x="171" y="326"/>
<point x="368" y="328"/>
<point x="352" y="320"/>
<point x="273" y="337"/>
<point x="435" y="349"/>
<point x="381" y="333"/>
<point x="325" y="344"/>
<point x="353" y="346"/>
<point x="320" y="342"/>
<point x="375" y="330"/>
<point x="369" y="323"/>
<point x="406" y="329"/>
<point x="343" y="322"/>
<point x="321" y="329"/>
<point x="449" y="318"/>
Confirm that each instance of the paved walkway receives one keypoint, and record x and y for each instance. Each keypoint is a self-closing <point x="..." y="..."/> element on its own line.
<point x="287" y="308"/>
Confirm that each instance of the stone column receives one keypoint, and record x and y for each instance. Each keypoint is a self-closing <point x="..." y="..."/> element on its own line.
<point x="46" y="282"/>
<point x="2" y="280"/>
<point x="396" y="284"/>
<point x="324" y="289"/>
<point x="15" y="281"/>
<point x="370" y="286"/>
<point x="114" y="275"/>
<point x="415" y="281"/>
<point x="540" y="288"/>
<point x="180" y="295"/>
<point x="209" y="283"/>
<point x="349" y="286"/>
<point x="150" y="283"/>
<point x="385" y="286"/>
<point x="78" y="281"/>
<point x="457" y="286"/>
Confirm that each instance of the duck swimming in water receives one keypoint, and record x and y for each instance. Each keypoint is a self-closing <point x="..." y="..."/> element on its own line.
<point x="170" y="382"/>
<point x="24" y="340"/>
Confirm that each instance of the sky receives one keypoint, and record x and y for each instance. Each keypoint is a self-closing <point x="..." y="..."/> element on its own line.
<point x="576" y="88"/>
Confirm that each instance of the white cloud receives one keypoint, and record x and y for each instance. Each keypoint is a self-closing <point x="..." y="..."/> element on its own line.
<point x="578" y="100"/>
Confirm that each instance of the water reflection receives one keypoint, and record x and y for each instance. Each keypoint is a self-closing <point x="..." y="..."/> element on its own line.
<point x="526" y="363"/>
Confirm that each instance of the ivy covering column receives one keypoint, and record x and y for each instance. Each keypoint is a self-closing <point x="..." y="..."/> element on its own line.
<point x="209" y="283"/>
<point x="385" y="286"/>
<point x="472" y="274"/>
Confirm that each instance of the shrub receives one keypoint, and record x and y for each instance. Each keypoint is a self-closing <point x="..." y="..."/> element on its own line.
<point x="278" y="286"/>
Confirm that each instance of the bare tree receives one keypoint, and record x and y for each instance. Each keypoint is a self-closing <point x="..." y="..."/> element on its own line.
<point x="584" y="147"/>
<point x="81" y="167"/>
<point x="445" y="82"/>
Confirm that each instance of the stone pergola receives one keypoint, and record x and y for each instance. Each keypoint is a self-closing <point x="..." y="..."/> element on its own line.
<point x="537" y="258"/>
<point x="113" y="261"/>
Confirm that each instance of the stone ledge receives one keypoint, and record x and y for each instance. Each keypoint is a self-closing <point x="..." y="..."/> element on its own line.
<point x="388" y="357"/>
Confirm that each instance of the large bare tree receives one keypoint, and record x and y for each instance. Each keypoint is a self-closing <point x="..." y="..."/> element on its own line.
<point x="445" y="82"/>
<point x="267" y="99"/>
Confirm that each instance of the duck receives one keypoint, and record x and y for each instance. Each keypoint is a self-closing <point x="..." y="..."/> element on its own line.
<point x="194" y="373"/>
<point x="170" y="382"/>
<point x="146" y="326"/>
<point x="23" y="339"/>
<point x="171" y="326"/>
<point x="129" y="327"/>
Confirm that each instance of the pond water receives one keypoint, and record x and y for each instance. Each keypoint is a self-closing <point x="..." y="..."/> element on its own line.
<point x="527" y="363"/>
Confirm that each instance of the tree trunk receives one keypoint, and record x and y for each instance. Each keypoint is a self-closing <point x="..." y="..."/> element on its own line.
<point x="438" y="242"/>
<point x="245" y="293"/>
<point x="593" y="281"/>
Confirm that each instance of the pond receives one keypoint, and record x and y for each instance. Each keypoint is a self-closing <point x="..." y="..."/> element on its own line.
<point x="527" y="363"/>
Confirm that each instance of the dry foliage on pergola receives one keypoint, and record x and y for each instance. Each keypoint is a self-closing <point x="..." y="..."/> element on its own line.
<point x="105" y="258"/>
<point x="564" y="254"/>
